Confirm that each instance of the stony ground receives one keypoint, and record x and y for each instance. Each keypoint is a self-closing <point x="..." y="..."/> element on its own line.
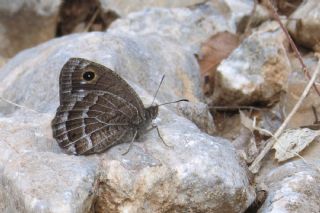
<point x="230" y="59"/>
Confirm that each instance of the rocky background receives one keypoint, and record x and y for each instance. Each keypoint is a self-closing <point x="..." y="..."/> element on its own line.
<point x="236" y="146"/>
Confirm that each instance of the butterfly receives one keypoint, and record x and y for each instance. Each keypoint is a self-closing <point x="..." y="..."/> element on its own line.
<point x="98" y="109"/>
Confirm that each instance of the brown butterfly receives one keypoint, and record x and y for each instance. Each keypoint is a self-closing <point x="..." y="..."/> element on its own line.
<point x="98" y="109"/>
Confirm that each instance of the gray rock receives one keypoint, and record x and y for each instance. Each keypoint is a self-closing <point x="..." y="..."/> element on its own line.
<point x="293" y="187"/>
<point x="188" y="26"/>
<point x="199" y="114"/>
<point x="304" y="24"/>
<point x="34" y="175"/>
<point x="42" y="8"/>
<point x="189" y="177"/>
<point x="25" y="23"/>
<point x="142" y="60"/>
<point x="200" y="173"/>
<point x="123" y="7"/>
<point x="47" y="182"/>
<point x="33" y="132"/>
<point x="261" y="15"/>
<point x="256" y="72"/>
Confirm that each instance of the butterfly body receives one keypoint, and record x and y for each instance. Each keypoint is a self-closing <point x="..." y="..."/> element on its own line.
<point x="98" y="109"/>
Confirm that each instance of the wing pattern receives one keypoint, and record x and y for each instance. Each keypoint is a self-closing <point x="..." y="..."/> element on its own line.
<point x="97" y="114"/>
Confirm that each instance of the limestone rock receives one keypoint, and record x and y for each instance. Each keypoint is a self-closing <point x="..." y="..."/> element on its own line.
<point x="185" y="178"/>
<point x="35" y="176"/>
<point x="25" y="23"/>
<point x="199" y="114"/>
<point x="256" y="72"/>
<point x="47" y="182"/>
<point x="123" y="7"/>
<point x="188" y="26"/>
<point x="304" y="24"/>
<point x="142" y="60"/>
<point x="293" y="187"/>
<point x="200" y="173"/>
<point x="43" y="8"/>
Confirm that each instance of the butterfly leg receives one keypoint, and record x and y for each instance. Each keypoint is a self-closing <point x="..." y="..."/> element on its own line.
<point x="131" y="143"/>
<point x="158" y="131"/>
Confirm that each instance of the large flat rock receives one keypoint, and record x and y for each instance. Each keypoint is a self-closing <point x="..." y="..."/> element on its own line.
<point x="200" y="173"/>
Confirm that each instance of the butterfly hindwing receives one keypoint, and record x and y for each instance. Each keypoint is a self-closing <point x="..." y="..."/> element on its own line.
<point x="98" y="109"/>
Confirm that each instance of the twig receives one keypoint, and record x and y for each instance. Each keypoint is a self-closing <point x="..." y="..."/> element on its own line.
<point x="315" y="113"/>
<point x="260" y="130"/>
<point x="267" y="132"/>
<point x="248" y="25"/>
<point x="282" y="149"/>
<point x="234" y="108"/>
<point x="254" y="168"/>
<point x="93" y="18"/>
<point x="293" y="46"/>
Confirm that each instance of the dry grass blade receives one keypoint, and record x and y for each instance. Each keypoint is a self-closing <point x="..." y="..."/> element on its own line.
<point x="256" y="163"/>
<point x="248" y="25"/>
<point x="93" y="18"/>
<point x="17" y="105"/>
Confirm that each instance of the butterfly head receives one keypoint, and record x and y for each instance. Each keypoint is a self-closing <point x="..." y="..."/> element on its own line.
<point x="152" y="112"/>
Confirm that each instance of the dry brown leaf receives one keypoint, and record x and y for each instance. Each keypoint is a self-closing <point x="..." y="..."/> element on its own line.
<point x="246" y="121"/>
<point x="251" y="149"/>
<point x="293" y="141"/>
<point x="213" y="51"/>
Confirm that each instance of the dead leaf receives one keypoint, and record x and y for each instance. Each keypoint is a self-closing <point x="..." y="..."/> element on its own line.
<point x="293" y="141"/>
<point x="212" y="52"/>
<point x="246" y="121"/>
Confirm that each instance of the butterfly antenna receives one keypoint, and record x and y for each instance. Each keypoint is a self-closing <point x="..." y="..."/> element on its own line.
<point x="172" y="102"/>
<point x="154" y="97"/>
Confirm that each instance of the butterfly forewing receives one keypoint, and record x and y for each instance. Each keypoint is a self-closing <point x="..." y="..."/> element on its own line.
<point x="98" y="109"/>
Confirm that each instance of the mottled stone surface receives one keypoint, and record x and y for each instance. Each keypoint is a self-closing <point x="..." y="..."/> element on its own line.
<point x="42" y="7"/>
<point x="293" y="187"/>
<point x="199" y="173"/>
<point x="199" y="114"/>
<point x="25" y="23"/>
<point x="256" y="72"/>
<point x="188" y="26"/>
<point x="141" y="60"/>
<point x="304" y="24"/>
<point x="123" y="7"/>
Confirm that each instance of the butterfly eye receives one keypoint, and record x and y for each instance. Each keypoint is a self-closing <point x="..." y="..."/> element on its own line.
<point x="88" y="76"/>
